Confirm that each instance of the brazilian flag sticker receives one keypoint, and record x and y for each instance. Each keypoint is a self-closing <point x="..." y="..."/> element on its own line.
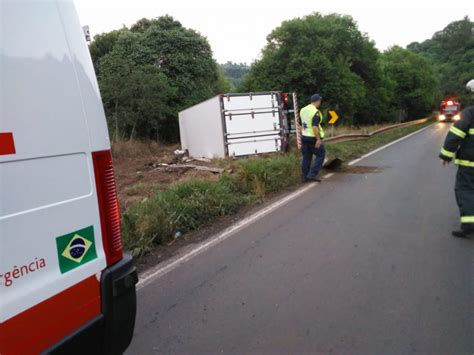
<point x="76" y="249"/>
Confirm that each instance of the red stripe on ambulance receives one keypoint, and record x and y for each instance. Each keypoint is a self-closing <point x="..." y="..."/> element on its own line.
<point x="7" y="144"/>
<point x="43" y="325"/>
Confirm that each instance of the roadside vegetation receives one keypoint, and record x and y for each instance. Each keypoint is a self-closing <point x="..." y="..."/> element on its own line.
<point x="150" y="71"/>
<point x="236" y="73"/>
<point x="330" y="55"/>
<point x="175" y="209"/>
<point x="451" y="52"/>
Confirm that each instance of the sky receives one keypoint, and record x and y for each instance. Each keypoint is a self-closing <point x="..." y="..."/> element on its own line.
<point x="237" y="30"/>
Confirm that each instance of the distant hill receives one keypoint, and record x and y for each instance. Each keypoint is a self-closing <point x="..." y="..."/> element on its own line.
<point x="235" y="73"/>
<point x="452" y="52"/>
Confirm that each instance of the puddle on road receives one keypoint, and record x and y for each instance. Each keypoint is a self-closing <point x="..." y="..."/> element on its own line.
<point x="360" y="169"/>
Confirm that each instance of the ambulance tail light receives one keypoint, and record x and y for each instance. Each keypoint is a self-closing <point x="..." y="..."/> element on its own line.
<point x="108" y="206"/>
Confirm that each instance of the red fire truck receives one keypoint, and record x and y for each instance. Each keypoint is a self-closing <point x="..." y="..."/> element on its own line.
<point x="449" y="110"/>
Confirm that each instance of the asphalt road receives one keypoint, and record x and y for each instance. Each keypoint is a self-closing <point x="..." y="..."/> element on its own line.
<point x="361" y="264"/>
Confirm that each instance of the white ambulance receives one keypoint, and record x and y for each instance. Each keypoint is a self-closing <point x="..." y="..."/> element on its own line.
<point x="65" y="286"/>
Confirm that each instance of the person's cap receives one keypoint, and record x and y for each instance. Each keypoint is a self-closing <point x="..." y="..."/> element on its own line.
<point x="470" y="86"/>
<point x="316" y="97"/>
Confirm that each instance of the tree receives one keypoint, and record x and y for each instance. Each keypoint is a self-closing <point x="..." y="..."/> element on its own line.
<point x="185" y="57"/>
<point x="325" y="54"/>
<point x="413" y="81"/>
<point x="451" y="50"/>
<point x="149" y="73"/>
<point x="102" y="45"/>
<point x="136" y="95"/>
<point x="235" y="72"/>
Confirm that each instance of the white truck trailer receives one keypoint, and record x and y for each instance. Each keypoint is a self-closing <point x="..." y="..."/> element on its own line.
<point x="235" y="125"/>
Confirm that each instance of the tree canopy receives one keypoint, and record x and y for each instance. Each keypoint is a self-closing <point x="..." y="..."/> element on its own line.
<point x="451" y="50"/>
<point x="329" y="55"/>
<point x="235" y="72"/>
<point x="412" y="82"/>
<point x="150" y="72"/>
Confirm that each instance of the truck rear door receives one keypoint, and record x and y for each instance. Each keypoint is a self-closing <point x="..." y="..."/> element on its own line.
<point x="252" y="123"/>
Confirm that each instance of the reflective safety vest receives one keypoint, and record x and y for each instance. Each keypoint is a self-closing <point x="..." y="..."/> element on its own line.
<point x="307" y="113"/>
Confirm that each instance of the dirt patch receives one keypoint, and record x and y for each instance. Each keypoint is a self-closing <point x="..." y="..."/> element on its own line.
<point x="138" y="177"/>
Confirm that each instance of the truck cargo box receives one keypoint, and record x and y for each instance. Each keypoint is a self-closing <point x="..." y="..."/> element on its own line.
<point x="234" y="125"/>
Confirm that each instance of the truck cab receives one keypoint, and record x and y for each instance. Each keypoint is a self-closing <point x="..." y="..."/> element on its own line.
<point x="65" y="285"/>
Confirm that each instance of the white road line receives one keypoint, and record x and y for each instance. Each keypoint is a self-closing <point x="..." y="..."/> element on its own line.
<point x="162" y="269"/>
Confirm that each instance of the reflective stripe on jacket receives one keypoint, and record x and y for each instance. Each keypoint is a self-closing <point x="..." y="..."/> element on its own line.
<point x="459" y="143"/>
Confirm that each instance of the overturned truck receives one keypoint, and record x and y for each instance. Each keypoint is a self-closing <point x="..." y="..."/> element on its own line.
<point x="234" y="125"/>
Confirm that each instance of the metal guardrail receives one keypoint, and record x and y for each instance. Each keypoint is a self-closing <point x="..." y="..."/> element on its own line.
<point x="355" y="137"/>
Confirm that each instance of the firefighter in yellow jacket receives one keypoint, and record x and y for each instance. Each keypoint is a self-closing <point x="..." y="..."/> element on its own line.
<point x="459" y="145"/>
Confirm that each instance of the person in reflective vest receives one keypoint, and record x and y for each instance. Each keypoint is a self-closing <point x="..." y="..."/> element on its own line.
<point x="459" y="145"/>
<point x="312" y="135"/>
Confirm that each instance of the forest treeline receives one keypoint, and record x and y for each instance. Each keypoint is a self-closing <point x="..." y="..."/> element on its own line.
<point x="149" y="72"/>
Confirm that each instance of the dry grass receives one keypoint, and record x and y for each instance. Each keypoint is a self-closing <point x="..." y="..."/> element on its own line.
<point x="137" y="176"/>
<point x="135" y="149"/>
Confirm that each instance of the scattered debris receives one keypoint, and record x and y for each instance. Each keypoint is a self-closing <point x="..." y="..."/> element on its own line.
<point x="191" y="166"/>
<point x="177" y="235"/>
<point x="137" y="176"/>
<point x="180" y="161"/>
<point x="204" y="160"/>
<point x="180" y="153"/>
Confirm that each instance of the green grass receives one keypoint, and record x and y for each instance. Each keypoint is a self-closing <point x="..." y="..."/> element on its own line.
<point x="259" y="176"/>
<point x="141" y="189"/>
<point x="180" y="208"/>
<point x="188" y="206"/>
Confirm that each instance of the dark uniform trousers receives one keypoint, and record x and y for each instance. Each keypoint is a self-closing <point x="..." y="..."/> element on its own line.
<point x="464" y="191"/>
